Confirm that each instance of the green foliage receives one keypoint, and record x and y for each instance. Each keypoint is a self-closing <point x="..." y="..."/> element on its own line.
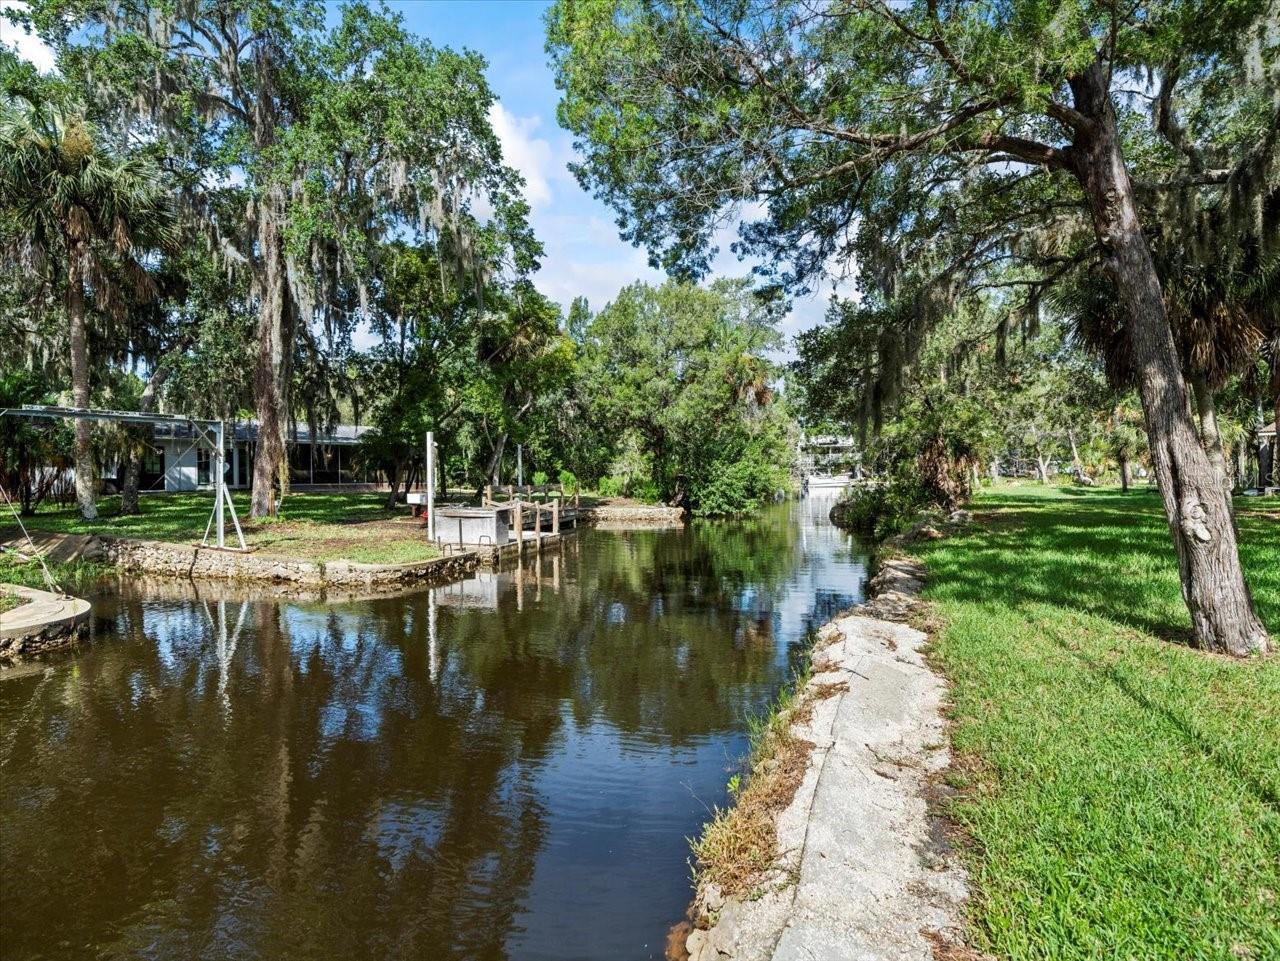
<point x="736" y="486"/>
<point x="611" y="486"/>
<point x="539" y="478"/>
<point x="645" y="491"/>
<point x="568" y="482"/>
<point x="31" y="451"/>
<point x="677" y="377"/>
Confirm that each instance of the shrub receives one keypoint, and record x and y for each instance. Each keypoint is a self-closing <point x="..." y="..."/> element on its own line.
<point x="736" y="487"/>
<point x="539" y="478"/>
<point x="569" y="481"/>
<point x="646" y="492"/>
<point x="611" y="486"/>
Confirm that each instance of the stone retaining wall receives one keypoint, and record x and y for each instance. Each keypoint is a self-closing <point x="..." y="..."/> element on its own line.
<point x="641" y="514"/>
<point x="847" y="884"/>
<point x="186" y="560"/>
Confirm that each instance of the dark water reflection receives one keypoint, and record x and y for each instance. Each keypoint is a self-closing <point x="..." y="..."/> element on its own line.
<point x="506" y="768"/>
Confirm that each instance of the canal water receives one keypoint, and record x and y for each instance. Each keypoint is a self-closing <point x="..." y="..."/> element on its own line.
<point x="504" y="768"/>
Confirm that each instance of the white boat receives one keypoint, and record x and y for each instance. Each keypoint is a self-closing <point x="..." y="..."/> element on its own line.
<point x="833" y="483"/>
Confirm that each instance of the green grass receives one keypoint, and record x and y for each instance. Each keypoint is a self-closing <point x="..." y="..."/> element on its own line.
<point x="1121" y="791"/>
<point x="318" y="527"/>
<point x="69" y="576"/>
<point x="8" y="601"/>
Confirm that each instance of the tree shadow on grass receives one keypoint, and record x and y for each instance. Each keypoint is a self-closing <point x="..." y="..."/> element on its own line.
<point x="1217" y="752"/>
<point x="1106" y="553"/>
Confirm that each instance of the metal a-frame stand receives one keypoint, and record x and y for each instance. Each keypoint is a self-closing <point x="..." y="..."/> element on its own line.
<point x="211" y="431"/>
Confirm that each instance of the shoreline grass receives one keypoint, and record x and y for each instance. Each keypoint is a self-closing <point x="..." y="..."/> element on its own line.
<point x="1121" y="790"/>
<point x="738" y="846"/>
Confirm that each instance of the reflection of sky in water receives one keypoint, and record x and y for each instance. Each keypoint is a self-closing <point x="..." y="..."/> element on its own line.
<point x="403" y="828"/>
<point x="831" y="577"/>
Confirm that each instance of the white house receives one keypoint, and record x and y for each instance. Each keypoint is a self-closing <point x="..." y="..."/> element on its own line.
<point x="177" y="463"/>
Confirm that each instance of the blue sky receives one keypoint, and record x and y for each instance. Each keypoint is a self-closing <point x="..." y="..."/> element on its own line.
<point x="584" y="254"/>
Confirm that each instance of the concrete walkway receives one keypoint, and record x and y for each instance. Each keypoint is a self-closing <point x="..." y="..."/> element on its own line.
<point x="43" y="622"/>
<point x="864" y="873"/>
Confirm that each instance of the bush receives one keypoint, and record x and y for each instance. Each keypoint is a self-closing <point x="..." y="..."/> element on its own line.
<point x="569" y="481"/>
<point x="888" y="507"/>
<point x="539" y="478"/>
<point x="646" y="492"/>
<point x="611" y="486"/>
<point x="736" y="487"/>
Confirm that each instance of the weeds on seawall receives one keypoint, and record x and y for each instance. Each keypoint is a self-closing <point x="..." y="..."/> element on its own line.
<point x="1120" y="791"/>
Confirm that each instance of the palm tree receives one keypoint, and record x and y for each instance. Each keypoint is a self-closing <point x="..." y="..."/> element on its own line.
<point x="82" y="219"/>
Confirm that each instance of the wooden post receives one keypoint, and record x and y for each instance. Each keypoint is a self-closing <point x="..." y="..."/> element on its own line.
<point x="488" y="494"/>
<point x="519" y="527"/>
<point x="555" y="517"/>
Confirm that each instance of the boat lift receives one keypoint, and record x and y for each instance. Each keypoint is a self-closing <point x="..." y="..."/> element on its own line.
<point x="211" y="431"/>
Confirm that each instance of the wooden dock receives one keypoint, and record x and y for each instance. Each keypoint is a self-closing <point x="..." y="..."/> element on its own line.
<point x="510" y="521"/>
<point x="554" y="512"/>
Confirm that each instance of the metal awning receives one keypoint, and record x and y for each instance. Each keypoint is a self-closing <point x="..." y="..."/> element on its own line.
<point x="93" y="413"/>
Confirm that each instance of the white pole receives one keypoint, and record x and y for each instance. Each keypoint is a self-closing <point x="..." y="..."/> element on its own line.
<point x="219" y="492"/>
<point x="431" y="486"/>
<point x="520" y="465"/>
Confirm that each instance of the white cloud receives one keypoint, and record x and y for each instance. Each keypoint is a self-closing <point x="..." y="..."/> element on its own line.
<point x="27" y="45"/>
<point x="531" y="155"/>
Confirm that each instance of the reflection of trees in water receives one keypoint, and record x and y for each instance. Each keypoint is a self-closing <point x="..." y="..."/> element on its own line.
<point x="344" y="807"/>
<point x="664" y="634"/>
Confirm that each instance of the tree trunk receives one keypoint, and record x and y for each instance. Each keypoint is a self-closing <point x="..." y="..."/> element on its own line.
<point x="133" y="463"/>
<point x="86" y="486"/>
<point x="495" y="461"/>
<point x="393" y="482"/>
<point x="274" y="363"/>
<point x="1076" y="464"/>
<point x="1275" y="438"/>
<point x="1124" y="473"/>
<point x="1196" y="507"/>
<point x="995" y="468"/>
<point x="1211" y="437"/>
<point x="129" y="496"/>
<point x="1042" y="469"/>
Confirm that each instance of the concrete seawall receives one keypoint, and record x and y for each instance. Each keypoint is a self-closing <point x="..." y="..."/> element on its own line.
<point x="861" y="868"/>
<point x="43" y="622"/>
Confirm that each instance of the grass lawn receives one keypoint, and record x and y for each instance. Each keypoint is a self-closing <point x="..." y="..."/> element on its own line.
<point x="317" y="527"/>
<point x="1121" y="791"/>
<point x="8" y="601"/>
